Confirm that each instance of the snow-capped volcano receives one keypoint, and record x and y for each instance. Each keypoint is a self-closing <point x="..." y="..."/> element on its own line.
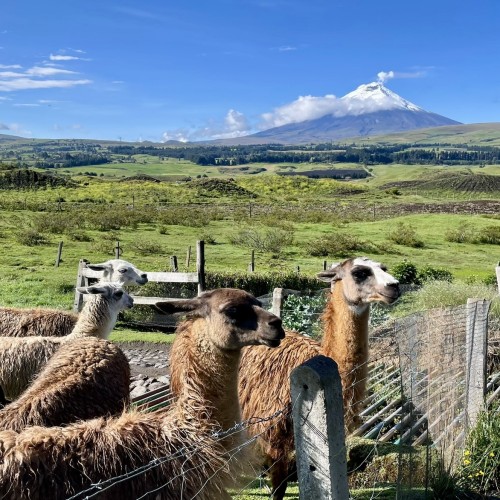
<point x="372" y="109"/>
<point x="371" y="97"/>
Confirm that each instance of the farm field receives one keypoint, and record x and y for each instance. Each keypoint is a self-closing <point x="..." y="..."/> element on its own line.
<point x="288" y="222"/>
<point x="433" y="217"/>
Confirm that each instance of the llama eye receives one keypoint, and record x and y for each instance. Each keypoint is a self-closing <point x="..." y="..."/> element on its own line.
<point x="122" y="271"/>
<point x="361" y="274"/>
<point x="119" y="293"/>
<point x="232" y="312"/>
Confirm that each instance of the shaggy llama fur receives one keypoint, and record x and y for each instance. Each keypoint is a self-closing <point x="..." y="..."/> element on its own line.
<point x="85" y="379"/>
<point x="21" y="358"/>
<point x="39" y="322"/>
<point x="191" y="461"/>
<point x="264" y="384"/>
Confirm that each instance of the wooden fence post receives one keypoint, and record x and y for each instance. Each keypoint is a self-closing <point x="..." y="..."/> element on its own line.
<point x="200" y="265"/>
<point x="118" y="250"/>
<point x="188" y="257"/>
<point x="477" y="350"/>
<point x="81" y="280"/>
<point x="173" y="263"/>
<point x="251" y="266"/>
<point x="318" y="422"/>
<point x="59" y="253"/>
<point x="497" y="271"/>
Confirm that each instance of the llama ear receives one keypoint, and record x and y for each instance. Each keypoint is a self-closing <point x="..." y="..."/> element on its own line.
<point x="178" y="306"/>
<point x="99" y="267"/>
<point x="92" y="289"/>
<point x="332" y="274"/>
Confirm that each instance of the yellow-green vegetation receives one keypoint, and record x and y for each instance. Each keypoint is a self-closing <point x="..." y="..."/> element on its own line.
<point x="479" y="469"/>
<point x="261" y="490"/>
<point x="123" y="334"/>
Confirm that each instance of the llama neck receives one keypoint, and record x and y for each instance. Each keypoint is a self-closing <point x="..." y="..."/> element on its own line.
<point x="96" y="319"/>
<point x="345" y="330"/>
<point x="210" y="377"/>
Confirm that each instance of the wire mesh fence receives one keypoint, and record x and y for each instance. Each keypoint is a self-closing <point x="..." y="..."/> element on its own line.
<point x="415" y="407"/>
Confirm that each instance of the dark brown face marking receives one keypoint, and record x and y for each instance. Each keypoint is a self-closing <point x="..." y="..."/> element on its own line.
<point x="235" y="317"/>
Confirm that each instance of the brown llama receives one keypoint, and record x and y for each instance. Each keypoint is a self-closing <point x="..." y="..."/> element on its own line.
<point x="264" y="383"/>
<point x="84" y="379"/>
<point x="180" y="448"/>
<point x="21" y="358"/>
<point x="41" y="322"/>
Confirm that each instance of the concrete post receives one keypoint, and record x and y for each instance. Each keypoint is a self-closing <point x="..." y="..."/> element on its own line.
<point x="278" y="297"/>
<point x="318" y="420"/>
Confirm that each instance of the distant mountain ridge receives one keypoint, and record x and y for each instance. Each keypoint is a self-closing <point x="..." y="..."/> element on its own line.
<point x="370" y="110"/>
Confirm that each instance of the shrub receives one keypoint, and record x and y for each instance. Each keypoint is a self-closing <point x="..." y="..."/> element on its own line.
<point x="59" y="222"/>
<point x="405" y="234"/>
<point x="79" y="236"/>
<point x="31" y="237"/>
<point x="271" y="240"/>
<point x="434" y="294"/>
<point x="106" y="243"/>
<point x="491" y="279"/>
<point x="208" y="238"/>
<point x="463" y="234"/>
<point x="406" y="273"/>
<point x="339" y="245"/>
<point x="143" y="247"/>
<point x="429" y="273"/>
<point x="490" y="235"/>
<point x="263" y="284"/>
<point x="302" y="313"/>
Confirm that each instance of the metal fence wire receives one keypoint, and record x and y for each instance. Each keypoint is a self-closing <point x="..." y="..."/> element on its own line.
<point x="418" y="380"/>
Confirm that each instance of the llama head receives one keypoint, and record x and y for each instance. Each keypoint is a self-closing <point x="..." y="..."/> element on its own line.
<point x="120" y="271"/>
<point x="114" y="295"/>
<point x="233" y="318"/>
<point x="364" y="281"/>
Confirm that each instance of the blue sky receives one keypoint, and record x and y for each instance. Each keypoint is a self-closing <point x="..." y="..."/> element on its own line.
<point x="156" y="70"/>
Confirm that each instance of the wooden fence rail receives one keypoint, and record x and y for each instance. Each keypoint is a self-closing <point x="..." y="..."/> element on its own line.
<point x="85" y="275"/>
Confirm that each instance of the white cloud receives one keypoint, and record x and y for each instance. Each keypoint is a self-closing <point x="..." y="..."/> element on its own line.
<point x="27" y="105"/>
<point x="286" y="48"/>
<point x="37" y="77"/>
<point x="61" y="57"/>
<point x="10" y="74"/>
<point x="235" y="124"/>
<point x="304" y="108"/>
<point x="16" y="128"/>
<point x="10" y="66"/>
<point x="28" y="83"/>
<point x="176" y="135"/>
<point x="383" y="76"/>
<point x="48" y="71"/>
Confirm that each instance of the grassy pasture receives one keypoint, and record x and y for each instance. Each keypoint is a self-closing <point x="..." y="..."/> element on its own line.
<point x="299" y="210"/>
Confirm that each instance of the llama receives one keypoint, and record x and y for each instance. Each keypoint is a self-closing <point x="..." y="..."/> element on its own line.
<point x="264" y="384"/>
<point x="84" y="379"/>
<point x="180" y="448"/>
<point x="39" y="322"/>
<point x="22" y="357"/>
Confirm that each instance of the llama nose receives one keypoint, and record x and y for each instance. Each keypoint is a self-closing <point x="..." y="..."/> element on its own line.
<point x="395" y="288"/>
<point x="276" y="323"/>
